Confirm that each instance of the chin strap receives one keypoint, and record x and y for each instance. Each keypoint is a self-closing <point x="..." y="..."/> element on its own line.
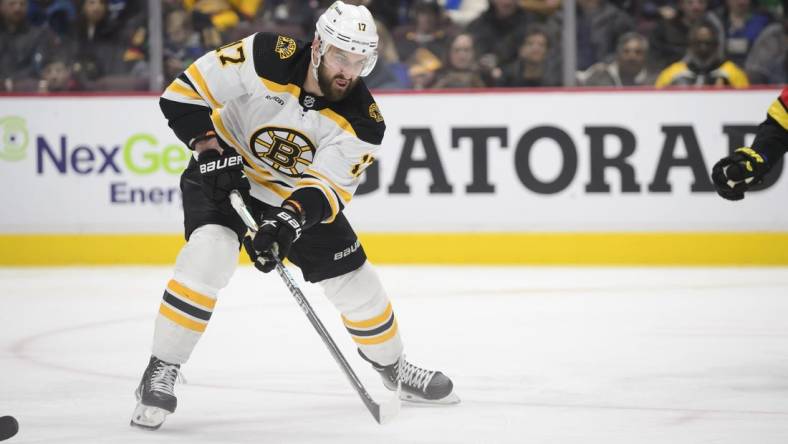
<point x="316" y="65"/>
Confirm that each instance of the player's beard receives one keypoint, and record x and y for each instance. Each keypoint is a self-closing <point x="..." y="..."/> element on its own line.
<point x="330" y="91"/>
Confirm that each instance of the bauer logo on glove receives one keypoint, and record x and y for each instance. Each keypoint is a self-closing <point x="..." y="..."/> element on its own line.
<point x="220" y="164"/>
<point x="290" y="220"/>
<point x="221" y="173"/>
<point x="278" y="229"/>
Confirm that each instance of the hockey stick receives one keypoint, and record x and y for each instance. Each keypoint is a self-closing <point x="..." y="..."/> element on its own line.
<point x="381" y="412"/>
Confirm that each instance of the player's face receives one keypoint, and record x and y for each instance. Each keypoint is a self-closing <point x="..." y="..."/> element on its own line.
<point x="338" y="73"/>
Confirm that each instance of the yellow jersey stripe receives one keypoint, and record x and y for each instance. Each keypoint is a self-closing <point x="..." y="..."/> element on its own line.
<point x="174" y="97"/>
<point x="339" y="120"/>
<point x="340" y="191"/>
<point x="184" y="90"/>
<point x="185" y="292"/>
<point x="295" y="90"/>
<point x="279" y="191"/>
<point x="180" y="319"/>
<point x="778" y="113"/>
<point x="374" y="322"/>
<point x="377" y="339"/>
<point x="196" y="77"/>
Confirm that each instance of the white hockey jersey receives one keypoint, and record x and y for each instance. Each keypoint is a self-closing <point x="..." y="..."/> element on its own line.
<point x="251" y="93"/>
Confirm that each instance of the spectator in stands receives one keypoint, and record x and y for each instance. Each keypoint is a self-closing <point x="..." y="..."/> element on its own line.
<point x="389" y="72"/>
<point x="56" y="14"/>
<point x="179" y="35"/>
<point x="214" y="19"/>
<point x="224" y="14"/>
<point x="669" y="40"/>
<point x="462" y="12"/>
<point x="100" y="51"/>
<point x="628" y="69"/>
<point x="599" y="25"/>
<point x="649" y="11"/>
<point x="393" y="13"/>
<point x="22" y="45"/>
<point x="774" y="8"/>
<point x="460" y="69"/>
<point x="544" y="8"/>
<point x="497" y="32"/>
<point x="293" y="18"/>
<point x="428" y="30"/>
<point x="182" y="45"/>
<point x="702" y="65"/>
<point x="532" y="67"/>
<point x="120" y="11"/>
<point x="133" y="31"/>
<point x="767" y="62"/>
<point x="422" y="68"/>
<point x="57" y="75"/>
<point x="741" y="25"/>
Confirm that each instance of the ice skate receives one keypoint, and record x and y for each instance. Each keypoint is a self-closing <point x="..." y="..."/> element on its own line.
<point x="418" y="384"/>
<point x="155" y="394"/>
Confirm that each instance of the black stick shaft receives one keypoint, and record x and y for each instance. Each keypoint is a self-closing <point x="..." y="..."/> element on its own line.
<point x="295" y="291"/>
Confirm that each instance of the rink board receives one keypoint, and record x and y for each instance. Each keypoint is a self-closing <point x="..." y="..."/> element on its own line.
<point x="431" y="248"/>
<point x="493" y="177"/>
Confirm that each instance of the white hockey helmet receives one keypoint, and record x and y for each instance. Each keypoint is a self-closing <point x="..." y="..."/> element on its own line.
<point x="350" y="28"/>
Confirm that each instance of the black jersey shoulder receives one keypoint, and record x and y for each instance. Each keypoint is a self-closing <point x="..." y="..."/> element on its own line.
<point x="362" y="112"/>
<point x="279" y="58"/>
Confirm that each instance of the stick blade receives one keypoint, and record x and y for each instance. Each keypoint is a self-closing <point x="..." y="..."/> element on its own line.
<point x="386" y="411"/>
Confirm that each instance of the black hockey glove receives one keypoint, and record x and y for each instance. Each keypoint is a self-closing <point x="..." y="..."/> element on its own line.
<point x="735" y="174"/>
<point x="278" y="229"/>
<point x="222" y="173"/>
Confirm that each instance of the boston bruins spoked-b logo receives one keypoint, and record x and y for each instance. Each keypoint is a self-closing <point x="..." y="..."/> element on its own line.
<point x="285" y="47"/>
<point x="286" y="150"/>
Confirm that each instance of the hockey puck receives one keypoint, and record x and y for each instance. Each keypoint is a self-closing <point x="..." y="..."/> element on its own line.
<point x="8" y="427"/>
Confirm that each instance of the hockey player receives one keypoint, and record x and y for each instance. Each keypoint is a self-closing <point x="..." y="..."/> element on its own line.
<point x="297" y="121"/>
<point x="735" y="174"/>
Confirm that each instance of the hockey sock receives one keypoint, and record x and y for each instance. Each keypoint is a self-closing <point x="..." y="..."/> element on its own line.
<point x="367" y="313"/>
<point x="204" y="266"/>
<point x="183" y="317"/>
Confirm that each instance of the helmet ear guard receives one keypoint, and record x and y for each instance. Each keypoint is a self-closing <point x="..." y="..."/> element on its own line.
<point x="350" y="28"/>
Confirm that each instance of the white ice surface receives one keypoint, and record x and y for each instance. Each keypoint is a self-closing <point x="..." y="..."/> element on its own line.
<point x="538" y="355"/>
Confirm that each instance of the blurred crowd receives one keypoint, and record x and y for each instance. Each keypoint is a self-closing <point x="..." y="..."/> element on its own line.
<point x="102" y="45"/>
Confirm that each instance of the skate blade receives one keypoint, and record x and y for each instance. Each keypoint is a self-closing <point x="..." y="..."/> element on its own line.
<point x="449" y="399"/>
<point x="148" y="418"/>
